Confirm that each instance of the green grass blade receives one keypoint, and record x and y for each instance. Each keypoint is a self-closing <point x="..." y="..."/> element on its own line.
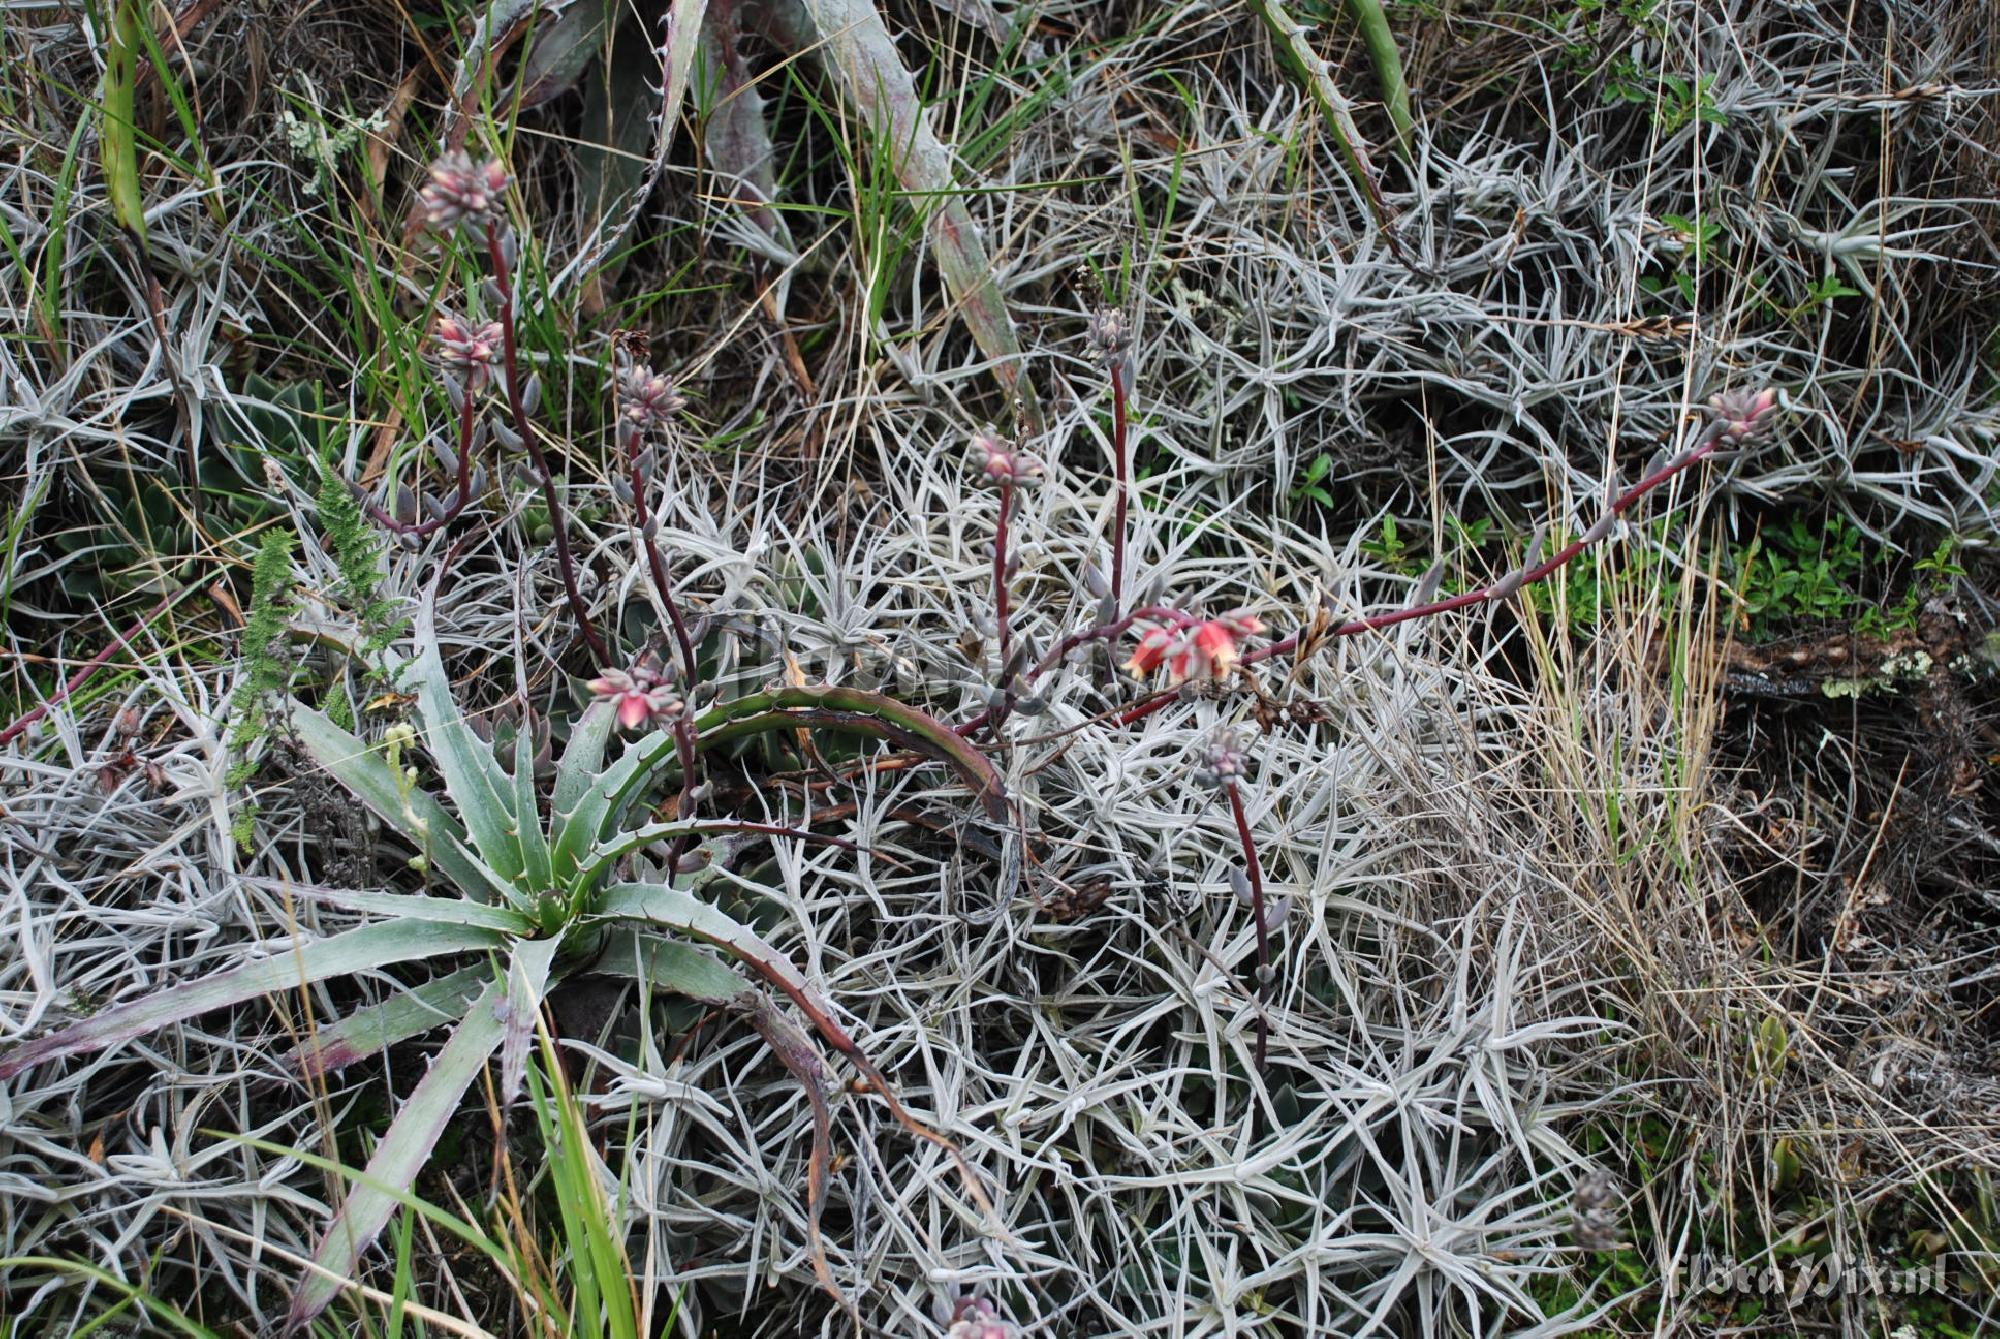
<point x="119" y="136"/>
<point x="166" y="1314"/>
<point x="401" y="1155"/>
<point x="362" y="950"/>
<point x="863" y="56"/>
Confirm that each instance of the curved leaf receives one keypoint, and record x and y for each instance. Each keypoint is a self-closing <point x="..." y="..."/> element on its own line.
<point x="362" y="950"/>
<point x="906" y="724"/>
<point x="407" y="1013"/>
<point x="400" y="1156"/>
<point x="418" y="817"/>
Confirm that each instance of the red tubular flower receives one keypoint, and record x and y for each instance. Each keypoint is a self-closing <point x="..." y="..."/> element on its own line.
<point x="1204" y="649"/>
<point x="1154" y="643"/>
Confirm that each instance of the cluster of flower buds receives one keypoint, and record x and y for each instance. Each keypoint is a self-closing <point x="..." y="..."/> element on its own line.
<point x="1226" y="760"/>
<point x="1194" y="649"/>
<point x="1742" y="416"/>
<point x="1109" y="334"/>
<point x="1000" y="461"/>
<point x="976" y="1318"/>
<point x="647" y="401"/>
<point x="470" y="351"/>
<point x="462" y="192"/>
<point x="641" y="695"/>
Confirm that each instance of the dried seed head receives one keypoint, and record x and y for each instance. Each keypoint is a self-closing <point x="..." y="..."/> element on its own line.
<point x="1594" y="1217"/>
<point x="461" y="191"/>
<point x="468" y="350"/>
<point x="647" y="401"/>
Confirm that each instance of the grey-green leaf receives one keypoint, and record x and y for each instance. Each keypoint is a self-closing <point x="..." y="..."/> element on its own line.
<point x="366" y="949"/>
<point x="668" y="964"/>
<point x="415" y="815"/>
<point x="527" y="981"/>
<point x="657" y="904"/>
<point x="400" y="1156"/>
<point x="405" y="1014"/>
<point x="472" y="776"/>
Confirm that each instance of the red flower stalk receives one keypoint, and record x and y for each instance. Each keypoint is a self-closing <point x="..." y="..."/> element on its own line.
<point x="498" y="248"/>
<point x="1113" y="341"/>
<point x="647" y="403"/>
<point x="1005" y="465"/>
<point x="1737" y="418"/>
<point x="1226" y="765"/>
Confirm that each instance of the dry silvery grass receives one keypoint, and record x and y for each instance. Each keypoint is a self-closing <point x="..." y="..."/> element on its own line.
<point x="1515" y="935"/>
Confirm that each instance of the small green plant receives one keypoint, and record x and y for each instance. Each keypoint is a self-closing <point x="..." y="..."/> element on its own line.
<point x="1391" y="550"/>
<point x="538" y="895"/>
<point x="1934" y="574"/>
<point x="1798" y="570"/>
<point x="266" y="668"/>
<point x="1681" y="101"/>
<point x="1311" y="483"/>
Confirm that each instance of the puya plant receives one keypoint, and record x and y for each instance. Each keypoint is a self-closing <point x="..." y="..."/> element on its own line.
<point x="540" y="887"/>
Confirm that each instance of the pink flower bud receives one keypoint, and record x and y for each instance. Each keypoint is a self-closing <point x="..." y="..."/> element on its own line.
<point x="1742" y="416"/>
<point x="461" y="191"/>
<point x="1108" y="331"/>
<point x="471" y="351"/>
<point x="1227" y="759"/>
<point x="640" y="695"/>
<point x="646" y="400"/>
<point x="1001" y="462"/>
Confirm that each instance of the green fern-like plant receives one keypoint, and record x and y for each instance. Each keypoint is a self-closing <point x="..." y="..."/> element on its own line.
<point x="266" y="671"/>
<point x="357" y="552"/>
